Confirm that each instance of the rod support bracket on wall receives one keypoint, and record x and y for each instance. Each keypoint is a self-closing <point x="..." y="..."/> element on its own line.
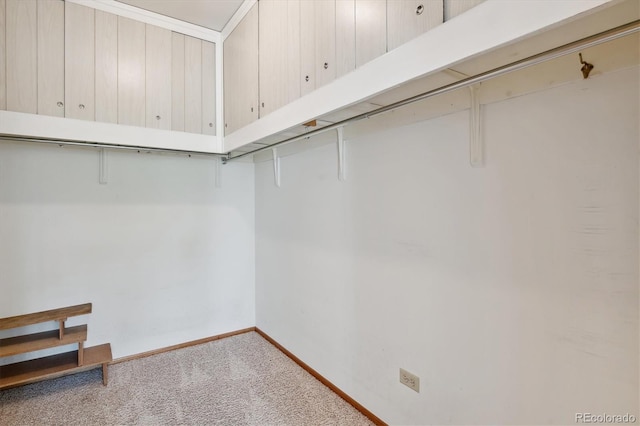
<point x="586" y="67"/>
<point x="476" y="152"/>
<point x="276" y="166"/>
<point x="342" y="160"/>
<point x="104" y="166"/>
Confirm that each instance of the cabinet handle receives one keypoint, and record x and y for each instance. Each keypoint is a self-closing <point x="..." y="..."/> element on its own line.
<point x="60" y="104"/>
<point x="225" y="125"/>
<point x="158" y="117"/>
<point x="251" y="109"/>
<point x="210" y="124"/>
<point x="419" y="9"/>
<point x="263" y="105"/>
<point x="81" y="106"/>
<point x="326" y="65"/>
<point x="306" y="78"/>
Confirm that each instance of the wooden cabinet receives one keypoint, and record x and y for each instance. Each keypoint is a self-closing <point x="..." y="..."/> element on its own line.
<point x="371" y="30"/>
<point x="3" y="63"/>
<point x="106" y="69"/>
<point x="407" y="19"/>
<point x="307" y="47"/>
<point x="241" y="73"/>
<point x="208" y="88"/>
<point x="21" y="43"/>
<point x="275" y="53"/>
<point x="317" y="44"/>
<point x="131" y="72"/>
<point x="193" y="85"/>
<point x="177" y="82"/>
<point x="158" y="77"/>
<point x="79" y="62"/>
<point x="50" y="41"/>
<point x="453" y="8"/>
<point x="345" y="36"/>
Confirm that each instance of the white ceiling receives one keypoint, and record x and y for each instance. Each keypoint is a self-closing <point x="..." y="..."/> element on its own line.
<point x="212" y="14"/>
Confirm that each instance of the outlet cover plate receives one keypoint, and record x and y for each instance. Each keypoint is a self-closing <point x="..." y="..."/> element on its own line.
<point x="410" y="380"/>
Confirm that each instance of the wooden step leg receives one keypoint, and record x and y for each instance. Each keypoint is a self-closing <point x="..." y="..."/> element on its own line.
<point x="61" y="332"/>
<point x="80" y="353"/>
<point x="105" y="374"/>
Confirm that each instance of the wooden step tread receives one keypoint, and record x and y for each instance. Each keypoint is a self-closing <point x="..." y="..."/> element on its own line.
<point x="44" y="340"/>
<point x="44" y="316"/>
<point x="53" y="366"/>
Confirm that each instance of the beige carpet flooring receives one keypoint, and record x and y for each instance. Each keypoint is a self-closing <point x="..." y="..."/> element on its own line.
<point x="240" y="380"/>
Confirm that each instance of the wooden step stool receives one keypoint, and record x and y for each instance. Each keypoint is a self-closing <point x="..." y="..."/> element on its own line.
<point x="49" y="367"/>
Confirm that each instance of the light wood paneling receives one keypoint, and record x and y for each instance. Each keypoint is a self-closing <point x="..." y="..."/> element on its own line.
<point x="79" y="62"/>
<point x="241" y="73"/>
<point x="106" y="67"/>
<point x="453" y="8"/>
<point x="21" y="62"/>
<point x="371" y="30"/>
<point x="208" y="88"/>
<point x="407" y="19"/>
<point x="3" y="66"/>
<point x="273" y="55"/>
<point x="325" y="61"/>
<point x="177" y="82"/>
<point x="51" y="57"/>
<point x="158" y="77"/>
<point x="193" y="85"/>
<point x="293" y="51"/>
<point x="307" y="47"/>
<point x="345" y="36"/>
<point x="131" y="72"/>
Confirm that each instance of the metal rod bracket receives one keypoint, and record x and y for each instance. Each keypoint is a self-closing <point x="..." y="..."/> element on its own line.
<point x="342" y="159"/>
<point x="276" y="167"/>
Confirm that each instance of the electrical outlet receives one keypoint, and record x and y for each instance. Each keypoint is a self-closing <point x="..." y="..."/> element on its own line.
<point x="410" y="380"/>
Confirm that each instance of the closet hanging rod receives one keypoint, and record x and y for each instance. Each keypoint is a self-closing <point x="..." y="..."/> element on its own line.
<point x="567" y="49"/>
<point x="64" y="142"/>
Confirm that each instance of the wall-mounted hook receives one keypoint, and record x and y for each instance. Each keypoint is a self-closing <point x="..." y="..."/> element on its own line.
<point x="586" y="67"/>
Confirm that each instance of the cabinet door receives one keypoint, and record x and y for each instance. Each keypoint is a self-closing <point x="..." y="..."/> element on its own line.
<point x="158" y="77"/>
<point x="371" y="30"/>
<point x="453" y="8"/>
<point x="193" y="85"/>
<point x="325" y="14"/>
<point x="3" y="66"/>
<point x="407" y="19"/>
<point x="273" y="54"/>
<point x="345" y="36"/>
<point x="177" y="82"/>
<point x="51" y="57"/>
<point x="307" y="47"/>
<point x="106" y="67"/>
<point x="241" y="73"/>
<point x="208" y="88"/>
<point x="131" y="70"/>
<point x="21" y="62"/>
<point x="79" y="62"/>
<point x="293" y="51"/>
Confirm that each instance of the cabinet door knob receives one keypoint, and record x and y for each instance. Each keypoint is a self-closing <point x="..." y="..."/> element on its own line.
<point x="419" y="9"/>
<point x="306" y="78"/>
<point x="263" y="105"/>
<point x="210" y="124"/>
<point x="158" y="117"/>
<point x="326" y="65"/>
<point x="60" y="104"/>
<point x="81" y="106"/>
<point x="251" y="109"/>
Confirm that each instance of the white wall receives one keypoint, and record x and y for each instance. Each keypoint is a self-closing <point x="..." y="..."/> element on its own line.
<point x="511" y="290"/>
<point x="164" y="256"/>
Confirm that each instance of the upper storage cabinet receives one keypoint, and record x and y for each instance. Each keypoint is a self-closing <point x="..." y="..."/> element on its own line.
<point x="67" y="59"/>
<point x="407" y="19"/>
<point x="303" y="45"/>
<point x="241" y="73"/>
